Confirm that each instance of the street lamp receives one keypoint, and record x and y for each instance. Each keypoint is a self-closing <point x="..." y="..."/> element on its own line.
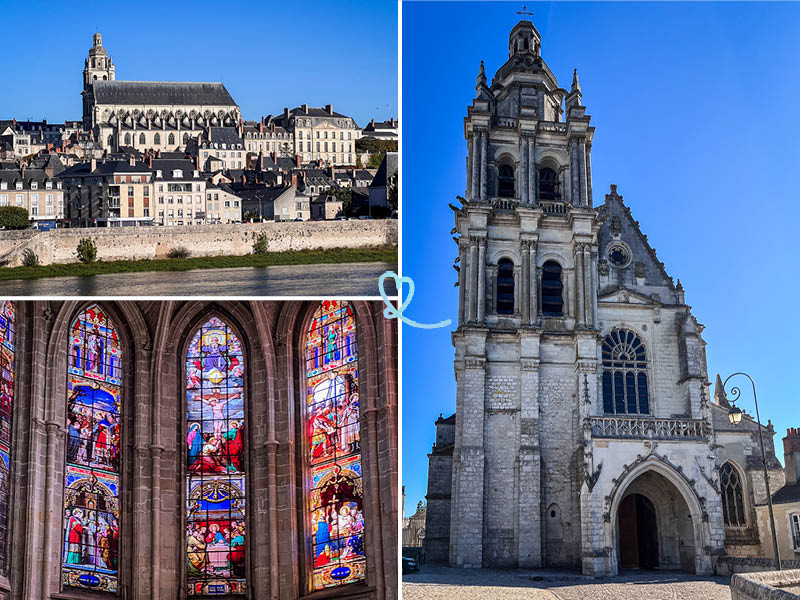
<point x="735" y="417"/>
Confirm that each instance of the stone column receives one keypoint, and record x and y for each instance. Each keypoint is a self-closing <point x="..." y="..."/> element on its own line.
<point x="533" y="176"/>
<point x="582" y="171"/>
<point x="523" y="172"/>
<point x="589" y="175"/>
<point x="462" y="283"/>
<point x="481" y="279"/>
<point x="587" y="285"/>
<point x="579" y="296"/>
<point x="476" y="161"/>
<point x="573" y="172"/>
<point x="526" y="272"/>
<point x="484" y="150"/>
<point x="593" y="291"/>
<point x="473" y="279"/>
<point x="534" y="283"/>
<point x="529" y="513"/>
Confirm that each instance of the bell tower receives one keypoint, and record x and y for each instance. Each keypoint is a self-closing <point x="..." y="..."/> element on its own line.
<point x="97" y="67"/>
<point x="526" y="342"/>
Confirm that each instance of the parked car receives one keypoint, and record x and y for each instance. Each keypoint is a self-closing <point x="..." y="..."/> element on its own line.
<point x="410" y="566"/>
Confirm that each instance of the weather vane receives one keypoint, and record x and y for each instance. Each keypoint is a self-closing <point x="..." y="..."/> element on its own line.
<point x="524" y="11"/>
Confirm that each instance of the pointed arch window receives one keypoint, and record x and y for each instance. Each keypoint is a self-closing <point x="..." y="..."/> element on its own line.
<point x="624" y="374"/>
<point x="171" y="139"/>
<point x="732" y="496"/>
<point x="127" y="139"/>
<point x="157" y="139"/>
<point x="142" y="139"/>
<point x="7" y="372"/>
<point x="334" y="502"/>
<point x="90" y="554"/>
<point x="215" y="465"/>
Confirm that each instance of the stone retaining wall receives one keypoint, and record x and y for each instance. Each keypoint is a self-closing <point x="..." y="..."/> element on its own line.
<point x="134" y="243"/>
<point x="772" y="585"/>
<point x="729" y="565"/>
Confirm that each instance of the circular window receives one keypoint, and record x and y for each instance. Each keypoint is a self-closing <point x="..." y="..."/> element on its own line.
<point x="619" y="255"/>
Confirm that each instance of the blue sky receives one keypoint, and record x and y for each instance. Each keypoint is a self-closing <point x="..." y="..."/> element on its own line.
<point x="694" y="105"/>
<point x="268" y="54"/>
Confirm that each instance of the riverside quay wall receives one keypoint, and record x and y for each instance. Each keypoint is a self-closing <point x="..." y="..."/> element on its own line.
<point x="136" y="243"/>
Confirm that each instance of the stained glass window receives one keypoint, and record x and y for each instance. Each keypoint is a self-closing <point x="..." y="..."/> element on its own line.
<point x="732" y="497"/>
<point x="215" y="476"/>
<point x="333" y="449"/>
<point x="90" y="555"/>
<point x="7" y="345"/>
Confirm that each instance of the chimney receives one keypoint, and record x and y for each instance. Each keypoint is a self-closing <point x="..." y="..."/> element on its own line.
<point x="333" y="172"/>
<point x="272" y="125"/>
<point x="791" y="455"/>
<point x="393" y="122"/>
<point x="275" y="157"/>
<point x="93" y="164"/>
<point x="132" y="160"/>
<point x="285" y="116"/>
<point x="294" y="179"/>
<point x="329" y="109"/>
<point x="304" y="107"/>
<point x="150" y="161"/>
<point x="298" y="161"/>
<point x="197" y="161"/>
<point x="261" y="126"/>
<point x="372" y="122"/>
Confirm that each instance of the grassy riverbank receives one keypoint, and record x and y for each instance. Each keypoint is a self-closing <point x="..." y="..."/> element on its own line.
<point x="300" y="257"/>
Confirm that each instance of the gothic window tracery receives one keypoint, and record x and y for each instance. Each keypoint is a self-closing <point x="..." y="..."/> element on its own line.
<point x="334" y="505"/>
<point x="90" y="549"/>
<point x="732" y="496"/>
<point x="7" y="374"/>
<point x="215" y="466"/>
<point x="624" y="374"/>
<point x="505" y="287"/>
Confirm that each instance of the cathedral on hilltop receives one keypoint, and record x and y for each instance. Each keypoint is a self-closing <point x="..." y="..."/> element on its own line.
<point x="584" y="434"/>
<point x="162" y="115"/>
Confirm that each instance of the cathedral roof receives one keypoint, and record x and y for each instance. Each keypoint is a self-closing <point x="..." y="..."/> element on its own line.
<point x="162" y="93"/>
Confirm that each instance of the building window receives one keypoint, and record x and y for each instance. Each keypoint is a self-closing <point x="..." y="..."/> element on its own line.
<point x="185" y="138"/>
<point x="732" y="496"/>
<point x="795" y="522"/>
<point x="92" y="482"/>
<point x="505" y="181"/>
<point x="505" y="287"/>
<point x="624" y="374"/>
<point x="7" y="372"/>
<point x="157" y="139"/>
<point x="127" y="139"/>
<point x="334" y="505"/>
<point x="171" y="139"/>
<point x="215" y="475"/>
<point x="142" y="139"/>
<point x="548" y="184"/>
<point x="552" y="289"/>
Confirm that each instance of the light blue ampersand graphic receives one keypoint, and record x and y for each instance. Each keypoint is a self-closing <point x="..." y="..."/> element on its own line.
<point x="393" y="313"/>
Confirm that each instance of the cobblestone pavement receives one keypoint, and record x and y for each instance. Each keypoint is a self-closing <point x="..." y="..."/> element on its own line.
<point x="440" y="583"/>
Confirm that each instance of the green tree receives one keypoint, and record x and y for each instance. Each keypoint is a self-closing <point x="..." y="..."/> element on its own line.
<point x="391" y="192"/>
<point x="86" y="251"/>
<point x="261" y="245"/>
<point x="13" y="217"/>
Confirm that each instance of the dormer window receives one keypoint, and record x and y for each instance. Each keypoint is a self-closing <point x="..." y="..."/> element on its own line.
<point x="177" y="174"/>
<point x="158" y="173"/>
<point x="196" y="174"/>
<point x="34" y="185"/>
<point x="19" y="185"/>
<point x="3" y="185"/>
<point x="58" y="185"/>
<point x="48" y="185"/>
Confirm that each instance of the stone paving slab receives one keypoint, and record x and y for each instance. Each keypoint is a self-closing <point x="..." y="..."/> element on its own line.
<point x="440" y="583"/>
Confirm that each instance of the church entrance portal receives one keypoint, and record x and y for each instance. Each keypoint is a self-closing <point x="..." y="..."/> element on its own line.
<point x="638" y="533"/>
<point x="654" y="526"/>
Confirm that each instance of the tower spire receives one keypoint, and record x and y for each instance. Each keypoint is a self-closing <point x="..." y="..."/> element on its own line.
<point x="576" y="84"/>
<point x="481" y="76"/>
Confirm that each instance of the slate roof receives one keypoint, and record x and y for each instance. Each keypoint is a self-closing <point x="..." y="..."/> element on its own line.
<point x="161" y="92"/>
<point x="168" y="165"/>
<point x="224" y="135"/>
<point x="787" y="494"/>
<point x="108" y="167"/>
<point x="386" y="170"/>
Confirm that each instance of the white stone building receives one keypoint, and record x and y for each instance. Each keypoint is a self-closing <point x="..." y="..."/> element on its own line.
<point x="584" y="434"/>
<point x="161" y="115"/>
<point x="321" y="134"/>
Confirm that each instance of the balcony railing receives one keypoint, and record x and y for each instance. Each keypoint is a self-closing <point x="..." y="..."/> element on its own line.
<point x="504" y="204"/>
<point x="630" y="427"/>
<point x="554" y="207"/>
<point x="552" y="126"/>
<point x="505" y="122"/>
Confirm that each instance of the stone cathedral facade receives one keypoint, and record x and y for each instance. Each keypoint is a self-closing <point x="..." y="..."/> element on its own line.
<point x="154" y="450"/>
<point x="584" y="434"/>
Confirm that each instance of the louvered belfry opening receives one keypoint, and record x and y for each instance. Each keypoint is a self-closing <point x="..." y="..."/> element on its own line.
<point x="552" y="289"/>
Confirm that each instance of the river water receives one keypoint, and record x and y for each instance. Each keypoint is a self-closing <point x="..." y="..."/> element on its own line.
<point x="342" y="280"/>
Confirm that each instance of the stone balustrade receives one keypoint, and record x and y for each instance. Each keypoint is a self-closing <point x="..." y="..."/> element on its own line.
<point x="505" y="122"/>
<point x="631" y="427"/>
<point x="554" y="207"/>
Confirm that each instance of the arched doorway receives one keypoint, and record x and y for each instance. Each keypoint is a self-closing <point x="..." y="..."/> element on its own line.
<point x="638" y="533"/>
<point x="654" y="526"/>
